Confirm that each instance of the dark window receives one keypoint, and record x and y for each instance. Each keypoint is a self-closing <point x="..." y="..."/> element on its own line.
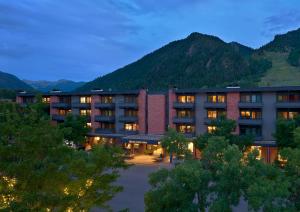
<point x="250" y="130"/>
<point x="106" y="99"/>
<point x="105" y="125"/>
<point x="65" y="99"/>
<point x="185" y="113"/>
<point x="250" y="98"/>
<point x="288" y="97"/>
<point x="129" y="112"/>
<point x="107" y="112"/>
<point x="130" y="99"/>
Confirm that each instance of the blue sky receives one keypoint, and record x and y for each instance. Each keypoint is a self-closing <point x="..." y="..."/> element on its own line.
<point x="84" y="39"/>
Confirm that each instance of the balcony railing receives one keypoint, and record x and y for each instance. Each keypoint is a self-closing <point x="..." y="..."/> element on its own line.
<point x="132" y="105"/>
<point x="246" y="121"/>
<point x="288" y="104"/>
<point x="103" y="105"/>
<point x="103" y="118"/>
<point x="105" y="131"/>
<point x="129" y="132"/>
<point x="187" y="105"/>
<point x="128" y="118"/>
<point x="250" y="104"/>
<point x="215" y="104"/>
<point x="183" y="120"/>
<point x="57" y="117"/>
<point x="61" y="105"/>
<point x="81" y="105"/>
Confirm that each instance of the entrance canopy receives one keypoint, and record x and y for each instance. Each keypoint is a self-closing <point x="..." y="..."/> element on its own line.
<point x="146" y="138"/>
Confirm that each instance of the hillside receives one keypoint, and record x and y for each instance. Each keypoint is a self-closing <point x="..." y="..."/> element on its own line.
<point x="284" y="53"/>
<point x="196" y="61"/>
<point x="9" y="81"/>
<point x="63" y="85"/>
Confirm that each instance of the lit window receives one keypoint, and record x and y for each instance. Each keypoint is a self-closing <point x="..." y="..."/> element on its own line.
<point x="258" y="149"/>
<point x="85" y="99"/>
<point x="211" y="129"/>
<point x="89" y="124"/>
<point x="46" y="100"/>
<point x="220" y="98"/>
<point x="85" y="112"/>
<point x="212" y="114"/>
<point x="186" y="99"/>
<point x="131" y="127"/>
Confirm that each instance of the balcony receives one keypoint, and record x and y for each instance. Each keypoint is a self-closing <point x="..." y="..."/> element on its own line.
<point x="183" y="120"/>
<point x="132" y="105"/>
<point x="87" y="117"/>
<point x="288" y="104"/>
<point x="251" y="122"/>
<point x="102" y="118"/>
<point x="61" y="105"/>
<point x="209" y="121"/>
<point x="215" y="105"/>
<point x="250" y="104"/>
<point x="128" y="118"/>
<point x="129" y="132"/>
<point x="57" y="117"/>
<point x="184" y="105"/>
<point x="102" y="105"/>
<point x="81" y="105"/>
<point x="105" y="131"/>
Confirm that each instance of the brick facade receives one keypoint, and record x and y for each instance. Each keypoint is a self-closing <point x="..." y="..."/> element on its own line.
<point x="156" y="114"/>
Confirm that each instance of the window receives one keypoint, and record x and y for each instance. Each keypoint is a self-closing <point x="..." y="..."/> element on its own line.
<point x="250" y="114"/>
<point x="214" y="114"/>
<point x="105" y="125"/>
<point x="107" y="112"/>
<point x="28" y="100"/>
<point x="288" y="114"/>
<point x="65" y="99"/>
<point x="64" y="112"/>
<point x="85" y="112"/>
<point x="250" y="130"/>
<point x="46" y="100"/>
<point x="185" y="113"/>
<point x="106" y="99"/>
<point x="211" y="129"/>
<point x="216" y="98"/>
<point x="250" y="98"/>
<point x="186" y="99"/>
<point x="288" y="97"/>
<point x="130" y="99"/>
<point x="131" y="126"/>
<point x="185" y="128"/>
<point x="89" y="125"/>
<point x="85" y="99"/>
<point x="130" y="113"/>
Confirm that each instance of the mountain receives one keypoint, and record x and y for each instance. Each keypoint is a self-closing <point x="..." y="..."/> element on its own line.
<point x="63" y="85"/>
<point x="9" y="81"/>
<point x="197" y="61"/>
<point x="284" y="53"/>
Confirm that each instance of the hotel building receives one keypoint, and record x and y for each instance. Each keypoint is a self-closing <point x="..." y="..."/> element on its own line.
<point x="138" y="119"/>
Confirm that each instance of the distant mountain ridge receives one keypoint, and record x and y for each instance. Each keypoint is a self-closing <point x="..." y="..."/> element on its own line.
<point x="45" y="86"/>
<point x="196" y="61"/>
<point x="11" y="82"/>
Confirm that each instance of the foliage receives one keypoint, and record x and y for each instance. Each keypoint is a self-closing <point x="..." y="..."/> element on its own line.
<point x="175" y="143"/>
<point x="7" y="94"/>
<point x="224" y="128"/>
<point x="294" y="57"/>
<point x="285" y="130"/>
<point x="75" y="129"/>
<point x="39" y="172"/>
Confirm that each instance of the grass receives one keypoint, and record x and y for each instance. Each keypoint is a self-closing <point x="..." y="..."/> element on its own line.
<point x="281" y="73"/>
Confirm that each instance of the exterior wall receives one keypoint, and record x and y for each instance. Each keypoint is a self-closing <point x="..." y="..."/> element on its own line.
<point x="156" y="113"/>
<point x="172" y="111"/>
<point x="53" y="99"/>
<point x="268" y="116"/>
<point x="200" y="113"/>
<point x="233" y="107"/>
<point x="142" y="111"/>
<point x="118" y="113"/>
<point x="19" y="100"/>
<point x="94" y="111"/>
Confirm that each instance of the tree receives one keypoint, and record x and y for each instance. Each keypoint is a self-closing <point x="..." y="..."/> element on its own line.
<point x="177" y="189"/>
<point x="75" y="129"/>
<point x="39" y="172"/>
<point x="175" y="143"/>
<point x="224" y="128"/>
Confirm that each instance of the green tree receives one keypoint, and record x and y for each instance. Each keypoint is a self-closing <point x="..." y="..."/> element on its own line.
<point x="285" y="132"/>
<point x="178" y="188"/>
<point x="75" y="129"/>
<point x="175" y="143"/>
<point x="39" y="172"/>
